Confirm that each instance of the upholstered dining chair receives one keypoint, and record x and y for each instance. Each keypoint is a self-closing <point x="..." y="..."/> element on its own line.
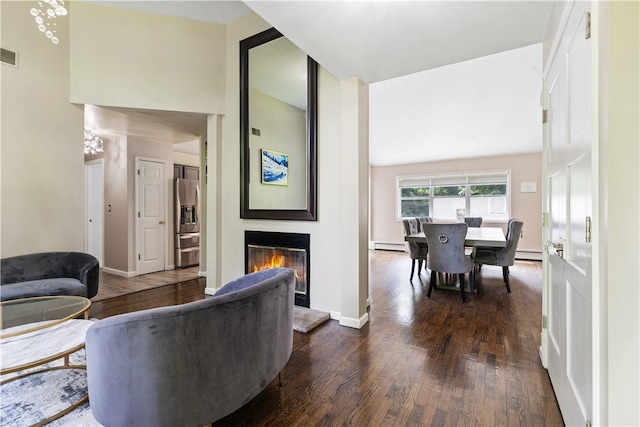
<point x="423" y="219"/>
<point x="485" y="250"/>
<point x="473" y="221"/>
<point x="418" y="251"/>
<point x="503" y="257"/>
<point x="446" y="253"/>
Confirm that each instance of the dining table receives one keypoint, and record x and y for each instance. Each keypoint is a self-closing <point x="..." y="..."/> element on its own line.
<point x="477" y="237"/>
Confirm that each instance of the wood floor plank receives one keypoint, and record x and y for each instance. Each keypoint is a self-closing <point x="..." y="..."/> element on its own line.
<point x="418" y="362"/>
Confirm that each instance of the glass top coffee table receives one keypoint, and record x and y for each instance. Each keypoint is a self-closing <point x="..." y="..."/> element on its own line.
<point x="26" y="315"/>
<point x="39" y="330"/>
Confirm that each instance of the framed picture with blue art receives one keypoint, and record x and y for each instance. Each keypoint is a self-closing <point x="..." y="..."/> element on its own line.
<point x="275" y="167"/>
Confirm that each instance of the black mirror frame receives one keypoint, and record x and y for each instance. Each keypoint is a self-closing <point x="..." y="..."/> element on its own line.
<point x="309" y="214"/>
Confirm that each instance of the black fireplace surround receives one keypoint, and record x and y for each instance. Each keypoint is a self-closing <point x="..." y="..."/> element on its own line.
<point x="282" y="243"/>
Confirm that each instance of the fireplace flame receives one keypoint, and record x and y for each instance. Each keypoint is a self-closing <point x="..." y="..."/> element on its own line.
<point x="275" y="262"/>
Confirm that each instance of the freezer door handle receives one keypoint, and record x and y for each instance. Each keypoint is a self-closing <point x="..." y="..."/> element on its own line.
<point x="178" y="217"/>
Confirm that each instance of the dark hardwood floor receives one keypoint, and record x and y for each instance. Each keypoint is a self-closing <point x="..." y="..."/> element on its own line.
<point x="171" y="294"/>
<point x="418" y="362"/>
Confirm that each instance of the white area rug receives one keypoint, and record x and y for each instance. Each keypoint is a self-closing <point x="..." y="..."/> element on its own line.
<point x="306" y="319"/>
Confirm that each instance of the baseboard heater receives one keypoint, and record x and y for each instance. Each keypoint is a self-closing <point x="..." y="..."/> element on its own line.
<point x="529" y="255"/>
<point x="389" y="246"/>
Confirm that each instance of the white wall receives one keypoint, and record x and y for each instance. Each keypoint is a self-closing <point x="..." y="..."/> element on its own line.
<point x="137" y="59"/>
<point x="327" y="265"/>
<point x="42" y="141"/>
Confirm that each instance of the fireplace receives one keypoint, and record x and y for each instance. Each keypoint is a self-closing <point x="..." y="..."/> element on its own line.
<point x="265" y="249"/>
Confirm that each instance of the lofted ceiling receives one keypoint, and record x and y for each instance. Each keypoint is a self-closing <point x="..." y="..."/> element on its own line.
<point x="391" y="45"/>
<point x="380" y="40"/>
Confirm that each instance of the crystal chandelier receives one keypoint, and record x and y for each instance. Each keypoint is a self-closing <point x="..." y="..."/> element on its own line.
<point x="45" y="15"/>
<point x="92" y="143"/>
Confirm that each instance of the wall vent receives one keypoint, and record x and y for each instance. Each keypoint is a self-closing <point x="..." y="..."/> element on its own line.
<point x="9" y="57"/>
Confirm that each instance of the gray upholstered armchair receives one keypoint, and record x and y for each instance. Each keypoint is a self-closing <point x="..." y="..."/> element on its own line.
<point x="192" y="364"/>
<point x="446" y="252"/>
<point x="418" y="251"/>
<point x="49" y="273"/>
<point x="504" y="257"/>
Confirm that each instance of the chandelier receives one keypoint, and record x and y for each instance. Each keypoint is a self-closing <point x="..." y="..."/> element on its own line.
<point x="92" y="143"/>
<point x="45" y="15"/>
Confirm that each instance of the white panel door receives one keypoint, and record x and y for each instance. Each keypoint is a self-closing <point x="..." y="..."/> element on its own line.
<point x="95" y="202"/>
<point x="567" y="261"/>
<point x="151" y="224"/>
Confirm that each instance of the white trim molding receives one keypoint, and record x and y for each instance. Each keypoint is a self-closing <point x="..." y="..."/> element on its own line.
<point x="353" y="323"/>
<point x="118" y="272"/>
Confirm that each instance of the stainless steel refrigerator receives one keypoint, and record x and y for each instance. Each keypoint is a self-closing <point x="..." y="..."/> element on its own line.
<point x="187" y="222"/>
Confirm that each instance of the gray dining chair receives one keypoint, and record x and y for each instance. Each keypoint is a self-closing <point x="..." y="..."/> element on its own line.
<point x="418" y="251"/>
<point x="473" y="221"/>
<point x="503" y="257"/>
<point x="447" y="254"/>
<point x="423" y="219"/>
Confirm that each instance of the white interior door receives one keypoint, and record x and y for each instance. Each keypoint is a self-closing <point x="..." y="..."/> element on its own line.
<point x="567" y="262"/>
<point x="150" y="216"/>
<point x="94" y="210"/>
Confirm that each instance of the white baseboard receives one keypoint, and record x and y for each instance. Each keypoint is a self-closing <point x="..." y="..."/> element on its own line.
<point x="118" y="272"/>
<point x="171" y="267"/>
<point x="202" y="273"/>
<point x="210" y="291"/>
<point x="354" y="323"/>
<point x="389" y="246"/>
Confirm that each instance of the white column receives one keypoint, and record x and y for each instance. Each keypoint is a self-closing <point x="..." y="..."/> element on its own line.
<point x="213" y="173"/>
<point x="354" y="184"/>
<point x="619" y="157"/>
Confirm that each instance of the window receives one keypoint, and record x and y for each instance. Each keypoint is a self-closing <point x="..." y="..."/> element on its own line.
<point x="447" y="200"/>
<point x="414" y="201"/>
<point x="484" y="194"/>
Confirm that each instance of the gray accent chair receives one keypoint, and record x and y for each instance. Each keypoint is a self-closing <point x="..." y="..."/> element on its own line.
<point x="192" y="364"/>
<point x="473" y="221"/>
<point x="447" y="253"/>
<point x="504" y="257"/>
<point x="418" y="251"/>
<point x="49" y="273"/>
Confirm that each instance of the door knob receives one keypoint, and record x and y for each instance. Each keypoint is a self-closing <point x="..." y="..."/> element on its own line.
<point x="161" y="222"/>
<point x="558" y="248"/>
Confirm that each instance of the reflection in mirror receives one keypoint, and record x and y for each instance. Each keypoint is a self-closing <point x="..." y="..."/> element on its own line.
<point x="277" y="129"/>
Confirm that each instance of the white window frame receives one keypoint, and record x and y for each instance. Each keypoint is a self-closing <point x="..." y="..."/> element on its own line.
<point x="454" y="179"/>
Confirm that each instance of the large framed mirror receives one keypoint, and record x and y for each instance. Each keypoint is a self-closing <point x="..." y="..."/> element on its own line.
<point x="278" y="118"/>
